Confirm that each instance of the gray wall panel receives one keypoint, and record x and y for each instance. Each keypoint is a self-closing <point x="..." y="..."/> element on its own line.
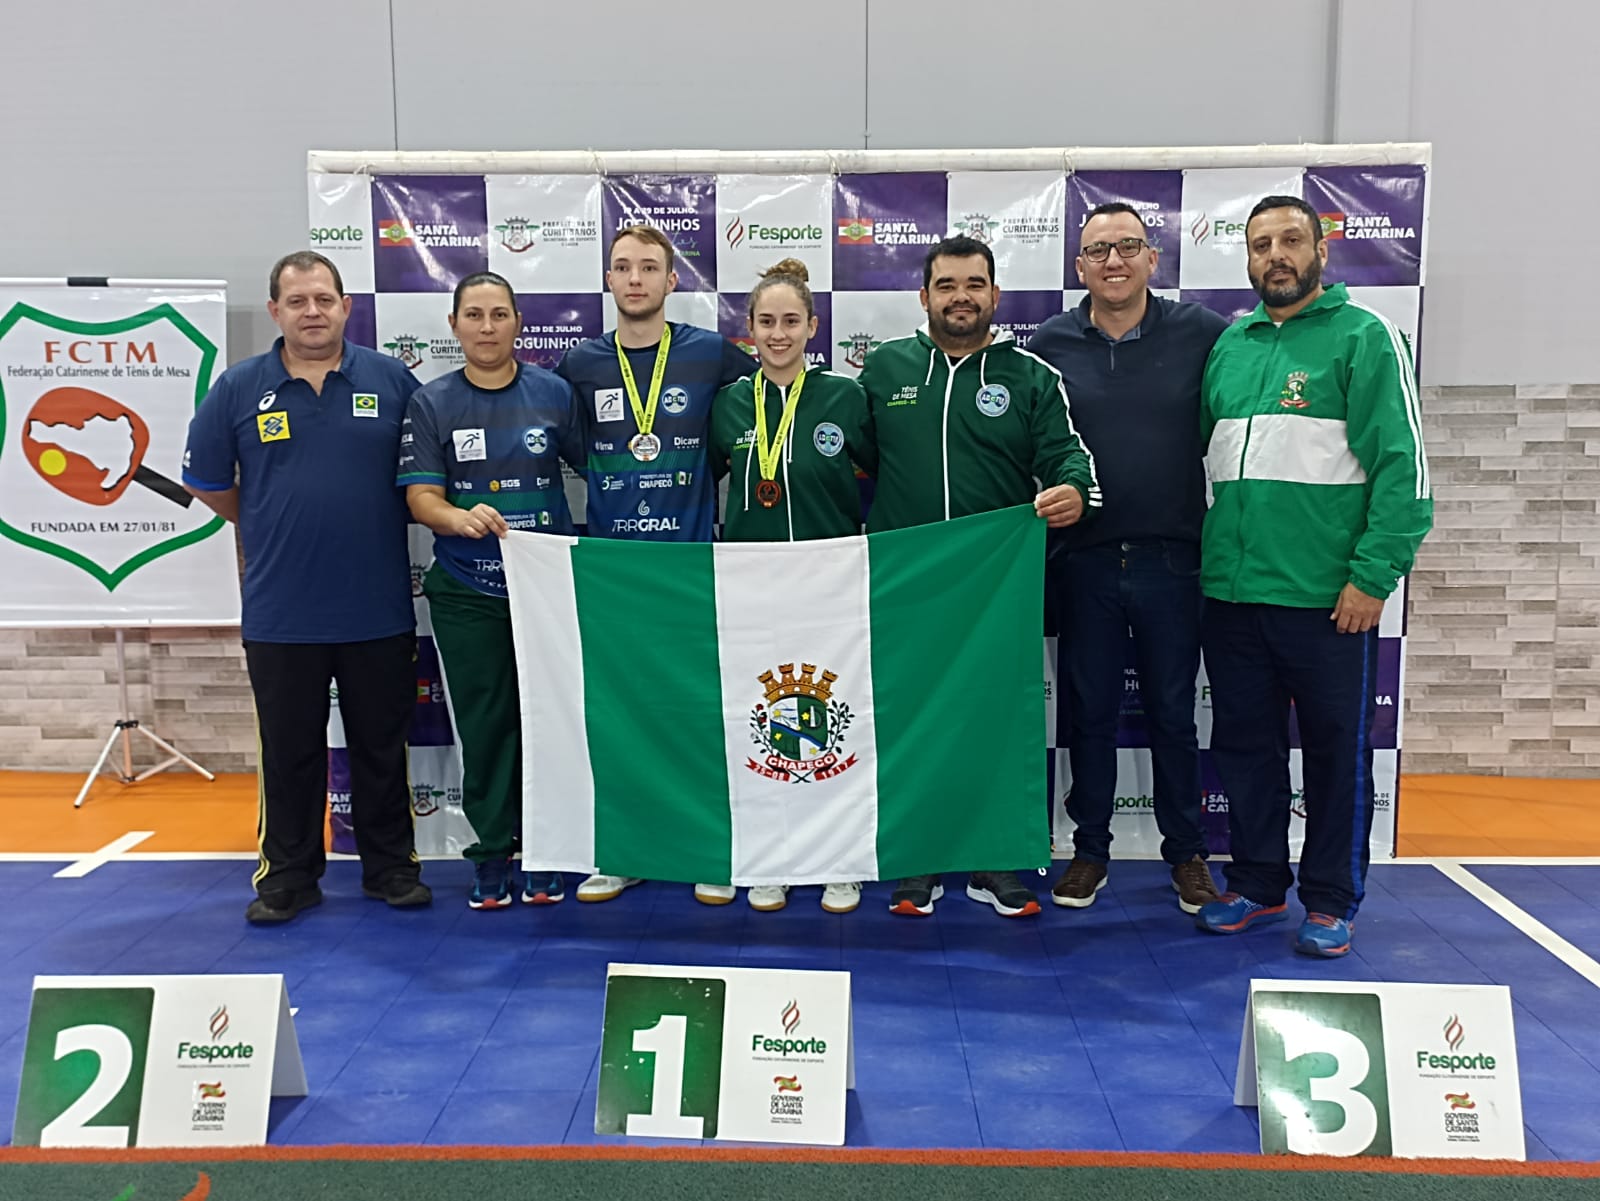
<point x="1022" y="73"/>
<point x="168" y="138"/>
<point x="629" y="75"/>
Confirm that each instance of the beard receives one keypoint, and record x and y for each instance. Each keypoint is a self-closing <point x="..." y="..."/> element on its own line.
<point x="1281" y="296"/>
<point x="962" y="325"/>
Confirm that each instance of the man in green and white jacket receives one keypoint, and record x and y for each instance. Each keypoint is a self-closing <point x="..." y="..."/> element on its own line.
<point x="1314" y="448"/>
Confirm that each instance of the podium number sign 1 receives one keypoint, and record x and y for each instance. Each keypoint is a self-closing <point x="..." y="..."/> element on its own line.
<point x="725" y="1053"/>
<point x="1345" y="1068"/>
<point x="155" y="1061"/>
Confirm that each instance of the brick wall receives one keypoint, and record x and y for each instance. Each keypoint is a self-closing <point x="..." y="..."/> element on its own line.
<point x="1503" y="674"/>
<point x="58" y="696"/>
<point x="1503" y="669"/>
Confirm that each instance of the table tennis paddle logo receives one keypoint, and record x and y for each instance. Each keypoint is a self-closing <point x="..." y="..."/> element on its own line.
<point x="91" y="447"/>
<point x="86" y="438"/>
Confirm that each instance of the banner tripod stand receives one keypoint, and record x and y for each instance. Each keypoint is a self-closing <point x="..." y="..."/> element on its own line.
<point x="125" y="727"/>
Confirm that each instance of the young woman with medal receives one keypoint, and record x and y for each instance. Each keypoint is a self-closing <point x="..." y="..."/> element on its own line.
<point x="791" y="438"/>
<point x="480" y="455"/>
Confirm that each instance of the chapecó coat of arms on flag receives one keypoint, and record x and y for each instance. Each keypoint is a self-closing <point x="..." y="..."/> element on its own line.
<point x="800" y="725"/>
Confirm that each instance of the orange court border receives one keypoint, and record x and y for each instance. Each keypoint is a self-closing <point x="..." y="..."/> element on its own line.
<point x="1461" y="817"/>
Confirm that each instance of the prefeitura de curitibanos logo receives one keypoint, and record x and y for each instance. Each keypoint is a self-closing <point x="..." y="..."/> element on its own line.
<point x="801" y="726"/>
<point x="93" y="417"/>
<point x="517" y="234"/>
<point x="857" y="346"/>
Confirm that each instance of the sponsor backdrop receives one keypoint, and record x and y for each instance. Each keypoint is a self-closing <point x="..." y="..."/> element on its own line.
<point x="403" y="240"/>
<point x="97" y="385"/>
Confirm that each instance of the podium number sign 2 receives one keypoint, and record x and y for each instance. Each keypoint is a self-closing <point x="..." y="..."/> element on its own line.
<point x="84" y="1063"/>
<point x="155" y="1061"/>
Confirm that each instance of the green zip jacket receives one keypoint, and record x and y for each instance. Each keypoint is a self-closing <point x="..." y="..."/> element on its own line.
<point x="969" y="436"/>
<point x="817" y="469"/>
<point x="1314" y="448"/>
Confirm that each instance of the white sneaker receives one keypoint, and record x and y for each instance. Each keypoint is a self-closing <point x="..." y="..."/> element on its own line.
<point x="841" y="898"/>
<point x="715" y="894"/>
<point x="605" y="888"/>
<point x="769" y="898"/>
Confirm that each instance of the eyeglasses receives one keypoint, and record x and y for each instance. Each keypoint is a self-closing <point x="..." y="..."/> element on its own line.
<point x="1099" y="252"/>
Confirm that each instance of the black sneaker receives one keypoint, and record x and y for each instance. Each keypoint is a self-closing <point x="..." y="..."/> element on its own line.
<point x="1004" y="891"/>
<point x="401" y="890"/>
<point x="914" y="896"/>
<point x="279" y="905"/>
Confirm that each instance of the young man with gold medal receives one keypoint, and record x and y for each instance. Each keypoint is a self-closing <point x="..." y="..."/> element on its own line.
<point x="791" y="440"/>
<point x="647" y="471"/>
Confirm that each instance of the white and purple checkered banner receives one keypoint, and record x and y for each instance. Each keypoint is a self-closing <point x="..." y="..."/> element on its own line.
<point x="403" y="229"/>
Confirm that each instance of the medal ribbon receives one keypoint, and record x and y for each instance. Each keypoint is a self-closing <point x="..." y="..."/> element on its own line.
<point x="644" y="415"/>
<point x="767" y="455"/>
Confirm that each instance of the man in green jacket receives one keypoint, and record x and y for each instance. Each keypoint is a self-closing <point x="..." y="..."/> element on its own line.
<point x="966" y="421"/>
<point x="1314" y="448"/>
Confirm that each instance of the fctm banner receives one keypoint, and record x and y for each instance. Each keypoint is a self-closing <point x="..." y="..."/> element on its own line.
<point x="97" y="385"/>
<point x="861" y="222"/>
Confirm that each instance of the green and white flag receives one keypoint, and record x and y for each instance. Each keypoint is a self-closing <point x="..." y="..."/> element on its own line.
<point x="783" y="713"/>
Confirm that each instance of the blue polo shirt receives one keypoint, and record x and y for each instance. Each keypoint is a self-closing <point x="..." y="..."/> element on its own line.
<point x="322" y="524"/>
<point x="500" y="447"/>
<point x="672" y="497"/>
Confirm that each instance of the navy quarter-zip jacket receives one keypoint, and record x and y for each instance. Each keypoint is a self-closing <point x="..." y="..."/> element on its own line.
<point x="1136" y="402"/>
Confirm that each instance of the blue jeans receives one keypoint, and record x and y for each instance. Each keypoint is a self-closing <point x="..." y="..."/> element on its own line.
<point x="1151" y="588"/>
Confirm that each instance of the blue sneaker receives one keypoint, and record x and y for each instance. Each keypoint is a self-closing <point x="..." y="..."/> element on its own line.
<point x="543" y="888"/>
<point x="491" y="885"/>
<point x="1324" y="935"/>
<point x="1232" y="914"/>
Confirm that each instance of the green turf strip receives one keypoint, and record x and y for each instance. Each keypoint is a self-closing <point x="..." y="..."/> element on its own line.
<point x="443" y="1180"/>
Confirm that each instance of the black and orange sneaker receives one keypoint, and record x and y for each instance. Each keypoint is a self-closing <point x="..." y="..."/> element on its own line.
<point x="914" y="896"/>
<point x="1004" y="891"/>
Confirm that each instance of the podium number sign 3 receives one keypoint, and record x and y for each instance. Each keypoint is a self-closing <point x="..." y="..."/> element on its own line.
<point x="155" y="1061"/>
<point x="725" y="1053"/>
<point x="1382" y="1069"/>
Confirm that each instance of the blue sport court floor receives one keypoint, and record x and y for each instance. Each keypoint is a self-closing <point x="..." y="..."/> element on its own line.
<point x="1111" y="1028"/>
